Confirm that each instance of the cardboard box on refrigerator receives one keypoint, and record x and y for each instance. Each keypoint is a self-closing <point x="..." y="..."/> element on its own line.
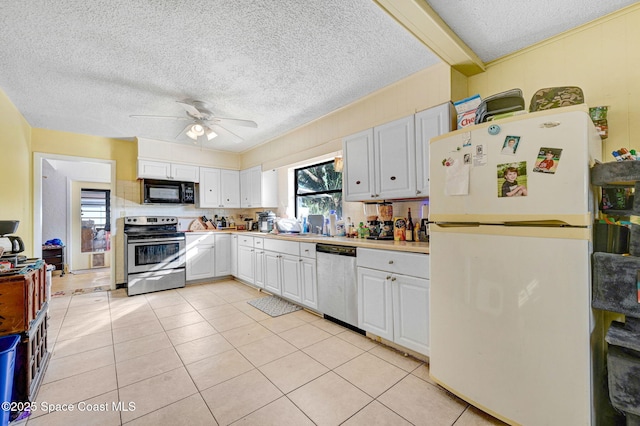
<point x="466" y="110"/>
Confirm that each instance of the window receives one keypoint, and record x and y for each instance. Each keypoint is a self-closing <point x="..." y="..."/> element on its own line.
<point x="95" y="214"/>
<point x="318" y="190"/>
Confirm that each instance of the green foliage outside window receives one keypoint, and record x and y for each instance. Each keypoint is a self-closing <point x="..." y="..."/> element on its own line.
<point x="318" y="190"/>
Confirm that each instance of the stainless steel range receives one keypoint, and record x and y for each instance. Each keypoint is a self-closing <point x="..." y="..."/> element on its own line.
<point x="154" y="254"/>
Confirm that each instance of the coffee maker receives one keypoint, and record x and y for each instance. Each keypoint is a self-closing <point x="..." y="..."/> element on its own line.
<point x="379" y="218"/>
<point x="15" y="243"/>
<point x="371" y="216"/>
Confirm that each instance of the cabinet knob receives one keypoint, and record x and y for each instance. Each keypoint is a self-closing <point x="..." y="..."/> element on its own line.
<point x="393" y="279"/>
<point x="392" y="178"/>
<point x="373" y="195"/>
<point x="388" y="277"/>
<point x="391" y="262"/>
<point x="418" y="192"/>
<point x="357" y="182"/>
<point x="299" y="260"/>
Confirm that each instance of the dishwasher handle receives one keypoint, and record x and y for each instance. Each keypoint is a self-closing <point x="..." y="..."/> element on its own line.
<point x="336" y="250"/>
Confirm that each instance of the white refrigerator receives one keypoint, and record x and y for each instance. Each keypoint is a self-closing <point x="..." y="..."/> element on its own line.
<point x="511" y="321"/>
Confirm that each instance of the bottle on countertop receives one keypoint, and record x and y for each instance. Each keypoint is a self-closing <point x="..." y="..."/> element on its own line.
<point x="333" y="219"/>
<point x="361" y="230"/>
<point x="305" y="227"/>
<point x="409" y="231"/>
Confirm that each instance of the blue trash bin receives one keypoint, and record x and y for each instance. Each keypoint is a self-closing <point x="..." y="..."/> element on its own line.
<point x="7" y="364"/>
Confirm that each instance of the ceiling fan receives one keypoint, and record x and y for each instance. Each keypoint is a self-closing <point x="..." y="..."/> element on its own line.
<point x="203" y="121"/>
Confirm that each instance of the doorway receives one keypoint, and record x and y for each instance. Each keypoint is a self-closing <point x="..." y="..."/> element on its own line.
<point x="57" y="211"/>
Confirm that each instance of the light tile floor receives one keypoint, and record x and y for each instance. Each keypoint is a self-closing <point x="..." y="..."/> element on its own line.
<point x="202" y="355"/>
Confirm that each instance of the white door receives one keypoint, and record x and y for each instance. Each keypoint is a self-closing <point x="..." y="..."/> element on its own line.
<point x="375" y="310"/>
<point x="223" y="255"/>
<point x="209" y="187"/>
<point x="246" y="264"/>
<point x="272" y="272"/>
<point x="200" y="262"/>
<point x="358" y="174"/>
<point x="429" y="123"/>
<point x="259" y="272"/>
<point x="411" y="312"/>
<point x="255" y="180"/>
<point x="234" y="255"/>
<point x="245" y="189"/>
<point x="290" y="276"/>
<point x="394" y="154"/>
<point x="153" y="169"/>
<point x="184" y="172"/>
<point x="230" y="188"/>
<point x="309" y="283"/>
<point x="512" y="311"/>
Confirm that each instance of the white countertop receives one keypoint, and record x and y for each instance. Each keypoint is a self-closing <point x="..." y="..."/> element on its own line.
<point x="413" y="247"/>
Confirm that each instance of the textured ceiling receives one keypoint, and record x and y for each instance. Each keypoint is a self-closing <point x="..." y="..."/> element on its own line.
<point x="85" y="66"/>
<point x="495" y="28"/>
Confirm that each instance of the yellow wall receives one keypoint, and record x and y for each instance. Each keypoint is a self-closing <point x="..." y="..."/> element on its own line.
<point x="16" y="189"/>
<point x="64" y="143"/>
<point x="426" y="88"/>
<point x="602" y="58"/>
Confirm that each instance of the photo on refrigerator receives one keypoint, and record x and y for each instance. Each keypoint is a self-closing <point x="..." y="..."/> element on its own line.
<point x="512" y="179"/>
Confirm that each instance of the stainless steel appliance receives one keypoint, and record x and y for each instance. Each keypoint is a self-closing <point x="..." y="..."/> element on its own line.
<point x="154" y="254"/>
<point x="167" y="192"/>
<point x="337" y="283"/>
<point x="266" y="221"/>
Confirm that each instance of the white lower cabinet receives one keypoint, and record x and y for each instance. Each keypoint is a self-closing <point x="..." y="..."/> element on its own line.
<point x="234" y="255"/>
<point x="222" y="255"/>
<point x="258" y="245"/>
<point x="375" y="309"/>
<point x="200" y="262"/>
<point x="411" y="312"/>
<point x="308" y="275"/>
<point x="272" y="272"/>
<point x="393" y="305"/>
<point x="290" y="277"/>
<point x="246" y="258"/>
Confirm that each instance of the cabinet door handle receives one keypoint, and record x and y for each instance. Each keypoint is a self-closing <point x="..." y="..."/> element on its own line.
<point x="393" y="279"/>
<point x="299" y="260"/>
<point x="391" y="262"/>
<point x="388" y="277"/>
<point x="418" y="192"/>
<point x="357" y="182"/>
<point x="392" y="178"/>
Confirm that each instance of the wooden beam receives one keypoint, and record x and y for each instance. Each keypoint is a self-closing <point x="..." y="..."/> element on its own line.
<point x="424" y="23"/>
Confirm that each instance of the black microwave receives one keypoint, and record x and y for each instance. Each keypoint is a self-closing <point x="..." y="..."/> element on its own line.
<point x="168" y="192"/>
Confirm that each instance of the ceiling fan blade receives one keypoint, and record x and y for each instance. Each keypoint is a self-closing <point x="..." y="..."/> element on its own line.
<point x="236" y="121"/>
<point x="223" y="131"/>
<point x="192" y="110"/>
<point x="161" y="116"/>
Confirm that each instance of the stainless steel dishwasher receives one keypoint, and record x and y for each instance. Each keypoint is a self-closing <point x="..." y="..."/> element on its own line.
<point x="337" y="282"/>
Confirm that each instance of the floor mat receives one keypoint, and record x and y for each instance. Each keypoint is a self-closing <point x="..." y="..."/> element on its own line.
<point x="274" y="306"/>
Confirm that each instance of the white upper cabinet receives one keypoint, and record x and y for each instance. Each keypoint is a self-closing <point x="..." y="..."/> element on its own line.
<point x="219" y="188"/>
<point x="358" y="168"/>
<point x="185" y="172"/>
<point x="258" y="188"/>
<point x="230" y="185"/>
<point x="163" y="170"/>
<point x="394" y="147"/>
<point x="379" y="162"/>
<point x="209" y="188"/>
<point x="391" y="161"/>
<point x="429" y="123"/>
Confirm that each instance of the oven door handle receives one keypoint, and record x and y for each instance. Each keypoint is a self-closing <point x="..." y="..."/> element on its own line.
<point x="154" y="240"/>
